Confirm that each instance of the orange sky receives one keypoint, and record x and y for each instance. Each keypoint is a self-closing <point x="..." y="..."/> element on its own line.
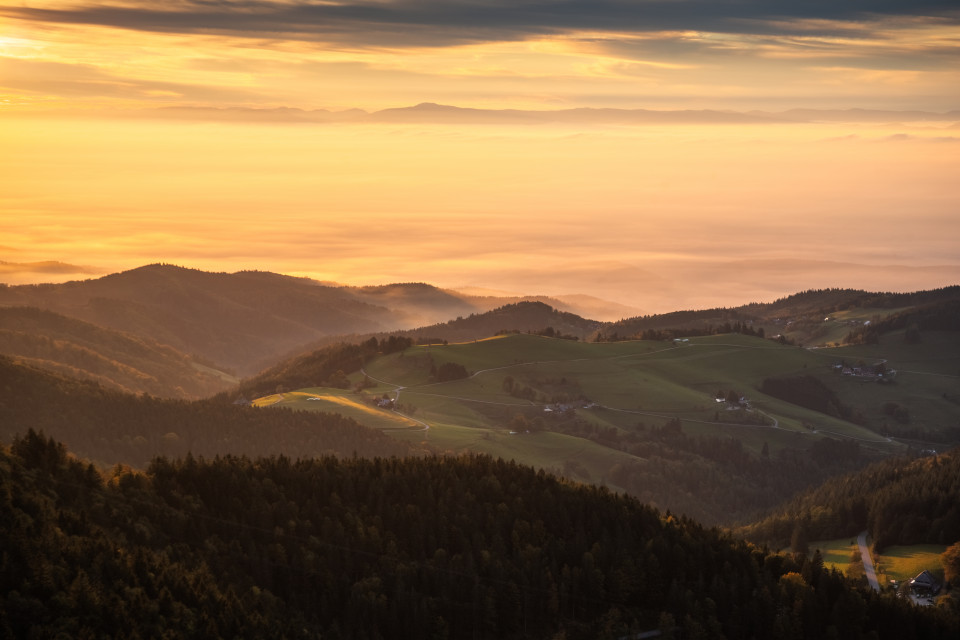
<point x="199" y="134"/>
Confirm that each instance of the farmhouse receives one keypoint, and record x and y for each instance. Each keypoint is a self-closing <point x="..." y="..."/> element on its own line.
<point x="925" y="584"/>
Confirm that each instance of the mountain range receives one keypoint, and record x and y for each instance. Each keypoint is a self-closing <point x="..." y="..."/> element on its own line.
<point x="177" y="332"/>
<point x="235" y="323"/>
<point x="440" y="446"/>
<point x="432" y="113"/>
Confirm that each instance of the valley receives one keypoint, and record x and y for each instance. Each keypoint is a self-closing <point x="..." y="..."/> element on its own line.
<point x="815" y="417"/>
<point x="614" y="413"/>
<point x="479" y="320"/>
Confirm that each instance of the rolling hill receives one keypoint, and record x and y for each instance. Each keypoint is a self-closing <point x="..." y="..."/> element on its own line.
<point x="115" y="359"/>
<point x="111" y="427"/>
<point x="716" y="425"/>
<point x="901" y="501"/>
<point x="641" y="416"/>
<point x="232" y="320"/>
<point x="815" y="317"/>
<point x="646" y="416"/>
<point x="243" y="322"/>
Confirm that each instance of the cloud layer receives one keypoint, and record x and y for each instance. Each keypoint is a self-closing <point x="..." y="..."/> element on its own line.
<point x="418" y="23"/>
<point x="373" y="54"/>
<point x="663" y="153"/>
<point x="656" y="217"/>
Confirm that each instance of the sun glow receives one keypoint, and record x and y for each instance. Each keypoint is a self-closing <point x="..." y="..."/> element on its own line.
<point x="135" y="134"/>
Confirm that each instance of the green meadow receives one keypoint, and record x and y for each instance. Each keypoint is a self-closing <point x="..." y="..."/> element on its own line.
<point x="905" y="562"/>
<point x="337" y="401"/>
<point x="626" y="383"/>
<point x="508" y="404"/>
<point x="894" y="563"/>
<point x="838" y="554"/>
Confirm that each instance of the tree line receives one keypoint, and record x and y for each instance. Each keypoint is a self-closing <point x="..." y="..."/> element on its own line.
<point x="111" y="427"/>
<point x="433" y="547"/>
<point x="899" y="501"/>
<point x="937" y="316"/>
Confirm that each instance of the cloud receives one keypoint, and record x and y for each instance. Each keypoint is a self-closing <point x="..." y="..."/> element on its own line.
<point x="45" y="267"/>
<point x="906" y="137"/>
<point x="64" y="79"/>
<point x="421" y="23"/>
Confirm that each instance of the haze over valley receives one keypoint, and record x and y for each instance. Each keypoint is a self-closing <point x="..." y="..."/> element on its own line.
<point x="556" y="319"/>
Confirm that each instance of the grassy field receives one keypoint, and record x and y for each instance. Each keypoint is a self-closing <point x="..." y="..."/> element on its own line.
<point x="337" y="401"/>
<point x="624" y="384"/>
<point x="895" y="563"/>
<point x="927" y="383"/>
<point x="635" y="381"/>
<point x="837" y="554"/>
<point x="904" y="563"/>
<point x="632" y="387"/>
<point x="838" y="324"/>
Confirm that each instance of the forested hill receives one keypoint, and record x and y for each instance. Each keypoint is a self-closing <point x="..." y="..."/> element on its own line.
<point x="800" y="308"/>
<point x="236" y="320"/>
<point x="248" y="320"/>
<point x="319" y="366"/>
<point x="325" y="366"/>
<point x="115" y="359"/>
<point x="419" y="548"/>
<point x="822" y="301"/>
<point x="114" y="427"/>
<point x="943" y="315"/>
<point x="520" y="316"/>
<point x="900" y="501"/>
<point x="525" y="316"/>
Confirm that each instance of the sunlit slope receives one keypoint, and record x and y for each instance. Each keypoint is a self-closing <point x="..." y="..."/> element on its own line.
<point x="337" y="401"/>
<point x="627" y="381"/>
<point x="643" y="416"/>
<point x="608" y="384"/>
<point x="927" y="385"/>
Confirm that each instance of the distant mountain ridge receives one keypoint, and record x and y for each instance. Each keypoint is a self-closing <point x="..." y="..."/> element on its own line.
<point x="247" y="320"/>
<point x="799" y="308"/>
<point x="433" y="113"/>
<point x="234" y="320"/>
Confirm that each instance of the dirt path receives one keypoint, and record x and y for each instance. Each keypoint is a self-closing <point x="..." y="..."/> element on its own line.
<point x="867" y="562"/>
<point x="396" y="400"/>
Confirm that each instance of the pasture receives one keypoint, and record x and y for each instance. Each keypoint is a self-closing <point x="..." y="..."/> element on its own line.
<point x="626" y="386"/>
<point x="905" y="562"/>
<point x="545" y="401"/>
<point x="838" y="554"/>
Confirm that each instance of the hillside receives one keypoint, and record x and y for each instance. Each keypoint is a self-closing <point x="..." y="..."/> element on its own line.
<point x="111" y="427"/>
<point x="815" y="317"/>
<point x="900" y="501"/>
<point x="524" y="316"/>
<point x="233" y="320"/>
<point x="114" y="359"/>
<point x="242" y="322"/>
<point x="434" y="547"/>
<point x="638" y="416"/>
<point x="583" y="305"/>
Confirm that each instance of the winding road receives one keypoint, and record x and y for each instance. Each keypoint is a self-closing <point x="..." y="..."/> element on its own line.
<point x="867" y="562"/>
<point x="396" y="400"/>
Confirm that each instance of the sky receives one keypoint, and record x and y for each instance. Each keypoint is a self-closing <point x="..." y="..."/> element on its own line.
<point x="665" y="154"/>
